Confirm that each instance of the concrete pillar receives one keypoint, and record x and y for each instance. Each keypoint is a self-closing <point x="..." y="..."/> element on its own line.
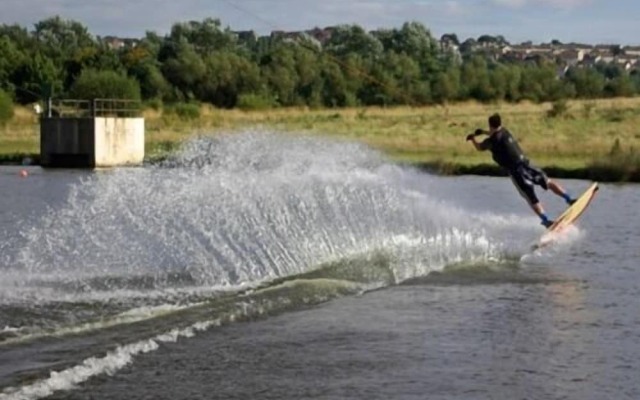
<point x="72" y="142"/>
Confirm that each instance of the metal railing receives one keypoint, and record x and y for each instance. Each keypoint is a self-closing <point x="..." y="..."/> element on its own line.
<point x="71" y="108"/>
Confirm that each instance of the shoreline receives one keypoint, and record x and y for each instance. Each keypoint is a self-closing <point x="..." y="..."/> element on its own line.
<point x="605" y="174"/>
<point x="595" y="139"/>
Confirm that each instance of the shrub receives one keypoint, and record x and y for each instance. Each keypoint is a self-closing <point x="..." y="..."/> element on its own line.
<point x="6" y="108"/>
<point x="587" y="109"/>
<point x="559" y="108"/>
<point x="619" y="165"/>
<point x="185" y="111"/>
<point x="93" y="84"/>
<point x="154" y="104"/>
<point x="614" y="114"/>
<point x="255" y="102"/>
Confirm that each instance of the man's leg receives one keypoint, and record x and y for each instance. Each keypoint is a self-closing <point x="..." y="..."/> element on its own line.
<point x="544" y="220"/>
<point x="538" y="177"/>
<point x="525" y="188"/>
<point x="559" y="190"/>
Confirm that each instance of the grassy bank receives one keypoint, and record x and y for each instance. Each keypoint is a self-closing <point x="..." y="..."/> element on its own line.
<point x="595" y="139"/>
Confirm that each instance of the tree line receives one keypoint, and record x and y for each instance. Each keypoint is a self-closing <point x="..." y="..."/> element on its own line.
<point x="202" y="61"/>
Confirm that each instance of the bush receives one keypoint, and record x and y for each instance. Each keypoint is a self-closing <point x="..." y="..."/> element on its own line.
<point x="6" y="108"/>
<point x="185" y="110"/>
<point x="619" y="165"/>
<point x="93" y="84"/>
<point x="587" y="109"/>
<point x="614" y="114"/>
<point x="255" y="102"/>
<point x="154" y="104"/>
<point x="559" y="108"/>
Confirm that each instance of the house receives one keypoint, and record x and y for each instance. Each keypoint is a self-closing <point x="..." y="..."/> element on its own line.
<point x="569" y="57"/>
<point x="321" y="35"/>
<point x="116" y="43"/>
<point x="632" y="50"/>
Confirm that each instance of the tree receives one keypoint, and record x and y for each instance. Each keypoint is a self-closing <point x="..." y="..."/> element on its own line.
<point x="10" y="59"/>
<point x="539" y="82"/>
<point x="335" y="91"/>
<point x="513" y="78"/>
<point x="489" y="40"/>
<point x="153" y="85"/>
<point x="6" y="108"/>
<point x="475" y="80"/>
<point x="205" y="37"/>
<point x="34" y="74"/>
<point x="413" y="39"/>
<point x="404" y="85"/>
<point x="19" y="36"/>
<point x="279" y="72"/>
<point x="309" y="71"/>
<point x="352" y="39"/>
<point x="185" y="70"/>
<point x="468" y="46"/>
<point x="621" y="86"/>
<point x="228" y="76"/>
<point x="60" y="37"/>
<point x="451" y="38"/>
<point x="588" y="82"/>
<point x="141" y="63"/>
<point x="94" y="84"/>
<point x="446" y="86"/>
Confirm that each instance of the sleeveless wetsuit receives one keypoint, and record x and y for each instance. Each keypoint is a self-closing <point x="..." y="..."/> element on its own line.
<point x="507" y="153"/>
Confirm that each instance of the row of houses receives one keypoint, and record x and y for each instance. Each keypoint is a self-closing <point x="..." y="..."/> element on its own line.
<point x="570" y="55"/>
<point x="565" y="55"/>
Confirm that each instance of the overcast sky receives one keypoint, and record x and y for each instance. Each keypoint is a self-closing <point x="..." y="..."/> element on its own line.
<point x="589" y="21"/>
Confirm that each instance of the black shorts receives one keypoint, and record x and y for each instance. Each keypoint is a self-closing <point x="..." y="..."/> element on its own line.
<point x="525" y="177"/>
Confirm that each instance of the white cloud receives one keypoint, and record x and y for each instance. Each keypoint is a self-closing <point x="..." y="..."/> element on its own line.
<point x="455" y="8"/>
<point x="562" y="4"/>
<point x="511" y="3"/>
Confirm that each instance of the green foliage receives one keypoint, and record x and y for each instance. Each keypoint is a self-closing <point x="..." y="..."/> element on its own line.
<point x="619" y="165"/>
<point x="93" y="84"/>
<point x="559" y="108"/>
<point x="620" y="86"/>
<point x="614" y="114"/>
<point x="154" y="104"/>
<point x="587" y="109"/>
<point x="153" y="84"/>
<point x="6" y="108"/>
<point x="254" y="102"/>
<point x="588" y="82"/>
<point x="186" y="111"/>
<point x="228" y="75"/>
<point x="10" y="59"/>
<point x="353" y="39"/>
<point x="185" y="70"/>
<point x="203" y="61"/>
<point x="446" y="86"/>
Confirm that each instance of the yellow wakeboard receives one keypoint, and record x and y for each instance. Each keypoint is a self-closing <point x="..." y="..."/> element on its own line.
<point x="568" y="217"/>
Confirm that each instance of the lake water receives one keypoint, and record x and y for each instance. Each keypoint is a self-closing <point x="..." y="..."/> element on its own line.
<point x="269" y="267"/>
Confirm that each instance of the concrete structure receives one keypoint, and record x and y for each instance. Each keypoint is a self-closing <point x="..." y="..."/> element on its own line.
<point x="91" y="142"/>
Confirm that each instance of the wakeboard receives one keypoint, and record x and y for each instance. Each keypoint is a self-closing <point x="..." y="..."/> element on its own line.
<point x="568" y="217"/>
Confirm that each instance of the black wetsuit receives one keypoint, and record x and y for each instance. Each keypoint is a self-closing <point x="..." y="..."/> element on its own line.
<point x="507" y="153"/>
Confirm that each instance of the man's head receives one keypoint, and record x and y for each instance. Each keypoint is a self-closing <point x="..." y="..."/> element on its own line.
<point x="495" y="122"/>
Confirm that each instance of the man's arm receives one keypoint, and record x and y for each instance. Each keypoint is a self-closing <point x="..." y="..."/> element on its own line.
<point x="478" y="145"/>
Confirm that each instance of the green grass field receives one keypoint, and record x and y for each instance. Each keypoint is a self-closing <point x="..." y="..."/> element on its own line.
<point x="587" y="135"/>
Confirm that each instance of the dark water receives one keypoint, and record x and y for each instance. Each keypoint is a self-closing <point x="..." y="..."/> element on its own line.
<point x="262" y="266"/>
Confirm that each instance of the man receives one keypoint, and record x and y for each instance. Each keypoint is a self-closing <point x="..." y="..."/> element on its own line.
<point x="507" y="153"/>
